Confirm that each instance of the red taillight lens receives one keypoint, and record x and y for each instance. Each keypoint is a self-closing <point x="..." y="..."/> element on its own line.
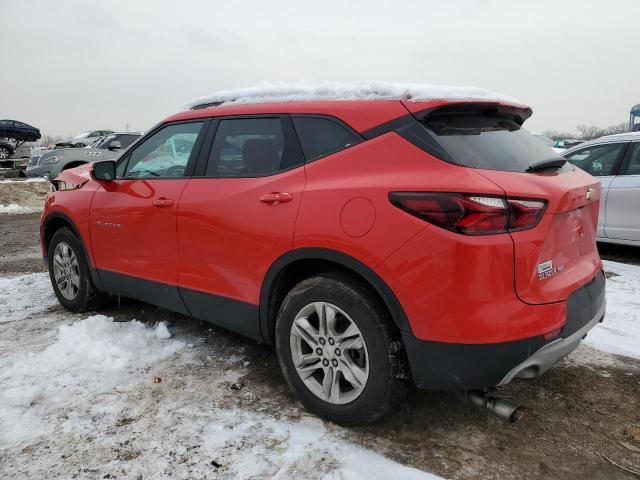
<point x="525" y="213"/>
<point x="469" y="213"/>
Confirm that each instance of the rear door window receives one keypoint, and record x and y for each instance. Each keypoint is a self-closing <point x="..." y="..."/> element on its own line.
<point x="478" y="140"/>
<point x="250" y="147"/>
<point x="320" y="137"/>
<point x="597" y="160"/>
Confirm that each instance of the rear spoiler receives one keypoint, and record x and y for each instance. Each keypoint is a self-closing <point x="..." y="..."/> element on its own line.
<point x="516" y="113"/>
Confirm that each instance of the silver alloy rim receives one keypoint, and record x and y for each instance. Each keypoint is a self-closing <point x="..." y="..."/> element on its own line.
<point x="66" y="271"/>
<point x="4" y="153"/>
<point x="329" y="353"/>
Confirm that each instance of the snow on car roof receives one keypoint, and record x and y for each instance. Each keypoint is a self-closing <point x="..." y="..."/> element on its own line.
<point x="373" y="90"/>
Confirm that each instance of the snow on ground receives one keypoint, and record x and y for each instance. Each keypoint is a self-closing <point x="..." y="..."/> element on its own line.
<point x="88" y="356"/>
<point x="296" y="91"/>
<point x="14" y="208"/>
<point x="25" y="296"/>
<point x="27" y="180"/>
<point x="620" y="331"/>
<point x="77" y="397"/>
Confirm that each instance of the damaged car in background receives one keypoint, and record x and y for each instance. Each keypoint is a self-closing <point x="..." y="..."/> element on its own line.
<point x="51" y="162"/>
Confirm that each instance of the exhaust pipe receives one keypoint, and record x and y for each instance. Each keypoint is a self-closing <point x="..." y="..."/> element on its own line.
<point x="500" y="407"/>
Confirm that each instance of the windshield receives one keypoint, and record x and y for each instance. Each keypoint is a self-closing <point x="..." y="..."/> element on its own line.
<point x="82" y="135"/>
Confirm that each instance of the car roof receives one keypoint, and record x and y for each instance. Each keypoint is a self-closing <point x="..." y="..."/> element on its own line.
<point x="617" y="137"/>
<point x="361" y="115"/>
<point x="362" y="105"/>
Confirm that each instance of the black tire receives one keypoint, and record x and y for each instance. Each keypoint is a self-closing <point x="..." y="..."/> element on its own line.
<point x="88" y="297"/>
<point x="383" y="389"/>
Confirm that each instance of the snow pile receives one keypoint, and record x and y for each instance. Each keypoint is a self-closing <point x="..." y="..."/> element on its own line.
<point x="15" y="208"/>
<point x="298" y="91"/>
<point x="88" y="357"/>
<point x="251" y="445"/>
<point x="25" y="296"/>
<point x="28" y="180"/>
<point x="620" y="331"/>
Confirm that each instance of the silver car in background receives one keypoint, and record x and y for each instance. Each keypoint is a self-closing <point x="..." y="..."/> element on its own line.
<point x="52" y="162"/>
<point x="615" y="160"/>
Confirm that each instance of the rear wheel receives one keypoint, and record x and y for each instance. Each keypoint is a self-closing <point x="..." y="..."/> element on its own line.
<point x="69" y="273"/>
<point x="335" y="348"/>
<point x="4" y="153"/>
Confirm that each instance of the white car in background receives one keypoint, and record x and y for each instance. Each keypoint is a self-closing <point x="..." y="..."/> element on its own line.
<point x="83" y="139"/>
<point x="615" y="160"/>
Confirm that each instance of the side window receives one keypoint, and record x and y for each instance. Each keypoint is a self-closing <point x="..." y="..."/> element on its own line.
<point x="165" y="153"/>
<point x="247" y="147"/>
<point x="598" y="160"/>
<point x="633" y="167"/>
<point x="321" y="136"/>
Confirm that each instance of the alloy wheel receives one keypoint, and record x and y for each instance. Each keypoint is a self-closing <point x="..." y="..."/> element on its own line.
<point x="329" y="353"/>
<point x="66" y="270"/>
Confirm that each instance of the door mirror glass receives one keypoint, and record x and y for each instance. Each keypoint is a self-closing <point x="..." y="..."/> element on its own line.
<point x="104" y="171"/>
<point x="115" y="145"/>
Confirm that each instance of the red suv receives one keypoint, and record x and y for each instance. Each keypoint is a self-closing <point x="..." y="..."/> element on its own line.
<point x="372" y="241"/>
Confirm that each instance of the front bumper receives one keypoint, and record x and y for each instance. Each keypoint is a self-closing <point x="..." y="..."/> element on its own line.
<point x="40" y="170"/>
<point x="451" y="366"/>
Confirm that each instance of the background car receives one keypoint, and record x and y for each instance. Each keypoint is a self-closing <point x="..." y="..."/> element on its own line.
<point x="83" y="139"/>
<point x="615" y="160"/>
<point x="548" y="142"/>
<point x="567" y="143"/>
<point x="13" y="135"/>
<point x="51" y="162"/>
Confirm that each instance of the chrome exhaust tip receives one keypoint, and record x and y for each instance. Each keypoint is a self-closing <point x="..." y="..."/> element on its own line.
<point x="501" y="408"/>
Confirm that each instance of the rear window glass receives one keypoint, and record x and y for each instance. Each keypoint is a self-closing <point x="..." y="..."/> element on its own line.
<point x="322" y="136"/>
<point x="479" y="141"/>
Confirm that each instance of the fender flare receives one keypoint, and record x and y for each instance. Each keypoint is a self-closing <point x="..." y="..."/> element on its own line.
<point x="375" y="281"/>
<point x="61" y="216"/>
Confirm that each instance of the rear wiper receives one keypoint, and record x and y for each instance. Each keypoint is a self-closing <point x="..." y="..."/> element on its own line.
<point x="546" y="164"/>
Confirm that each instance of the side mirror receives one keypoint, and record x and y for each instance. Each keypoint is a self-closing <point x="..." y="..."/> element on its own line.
<point x="115" y="145"/>
<point x="104" y="171"/>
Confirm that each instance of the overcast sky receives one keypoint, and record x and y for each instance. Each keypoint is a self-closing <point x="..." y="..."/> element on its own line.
<point x="68" y="66"/>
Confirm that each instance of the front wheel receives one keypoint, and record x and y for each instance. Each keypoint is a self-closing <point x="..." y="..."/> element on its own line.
<point x="336" y="350"/>
<point x="69" y="273"/>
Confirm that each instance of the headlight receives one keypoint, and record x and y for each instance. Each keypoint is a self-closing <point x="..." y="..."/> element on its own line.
<point x="53" y="159"/>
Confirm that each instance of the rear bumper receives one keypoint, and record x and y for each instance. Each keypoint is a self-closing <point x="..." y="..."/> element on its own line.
<point x="451" y="366"/>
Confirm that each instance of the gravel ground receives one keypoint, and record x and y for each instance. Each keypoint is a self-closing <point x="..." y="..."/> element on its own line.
<point x="580" y="417"/>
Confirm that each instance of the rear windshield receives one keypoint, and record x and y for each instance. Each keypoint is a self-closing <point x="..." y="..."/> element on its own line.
<point x="484" y="141"/>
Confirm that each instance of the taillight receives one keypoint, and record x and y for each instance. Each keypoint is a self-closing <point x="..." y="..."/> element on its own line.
<point x="471" y="214"/>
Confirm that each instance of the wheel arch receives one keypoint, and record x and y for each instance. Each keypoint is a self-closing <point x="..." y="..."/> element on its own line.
<point x="54" y="222"/>
<point x="299" y="264"/>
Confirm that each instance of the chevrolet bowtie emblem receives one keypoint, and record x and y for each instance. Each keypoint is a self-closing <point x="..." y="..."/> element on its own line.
<point x="589" y="194"/>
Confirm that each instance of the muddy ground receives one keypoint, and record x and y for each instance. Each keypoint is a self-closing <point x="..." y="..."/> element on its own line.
<point x="580" y="417"/>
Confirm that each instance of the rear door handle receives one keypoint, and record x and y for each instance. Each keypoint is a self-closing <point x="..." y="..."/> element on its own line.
<point x="162" y="202"/>
<point x="276" y="198"/>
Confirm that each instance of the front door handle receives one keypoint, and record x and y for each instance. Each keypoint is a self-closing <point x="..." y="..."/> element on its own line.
<point x="162" y="202"/>
<point x="276" y="198"/>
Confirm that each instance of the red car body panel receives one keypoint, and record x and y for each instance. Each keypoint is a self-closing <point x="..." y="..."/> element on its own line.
<point x="130" y="235"/>
<point x="223" y="253"/>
